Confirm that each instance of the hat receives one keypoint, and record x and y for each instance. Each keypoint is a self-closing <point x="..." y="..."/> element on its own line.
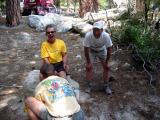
<point x="98" y="25"/>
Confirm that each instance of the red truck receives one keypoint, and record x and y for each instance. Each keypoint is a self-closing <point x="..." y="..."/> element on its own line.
<point x="40" y="7"/>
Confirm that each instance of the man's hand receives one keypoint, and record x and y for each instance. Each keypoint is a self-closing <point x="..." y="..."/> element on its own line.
<point x="46" y="60"/>
<point x="66" y="66"/>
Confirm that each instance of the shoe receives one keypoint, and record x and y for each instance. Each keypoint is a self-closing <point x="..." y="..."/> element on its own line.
<point x="88" y="90"/>
<point x="111" y="79"/>
<point x="89" y="86"/>
<point x="107" y="89"/>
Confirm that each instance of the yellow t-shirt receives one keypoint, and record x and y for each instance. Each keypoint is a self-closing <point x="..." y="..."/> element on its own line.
<point x="53" y="51"/>
<point x="58" y="96"/>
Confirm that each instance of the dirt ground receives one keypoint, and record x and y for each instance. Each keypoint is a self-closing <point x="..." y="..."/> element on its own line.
<point x="133" y="98"/>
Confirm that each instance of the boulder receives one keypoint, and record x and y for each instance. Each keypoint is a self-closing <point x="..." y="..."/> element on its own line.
<point x="82" y="27"/>
<point x="39" y="22"/>
<point x="31" y="82"/>
<point x="111" y="14"/>
<point x="61" y="23"/>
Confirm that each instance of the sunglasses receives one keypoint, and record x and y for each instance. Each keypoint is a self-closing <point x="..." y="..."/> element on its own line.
<point x="51" y="32"/>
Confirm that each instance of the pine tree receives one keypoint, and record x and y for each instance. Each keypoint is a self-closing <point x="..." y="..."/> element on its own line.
<point x="13" y="14"/>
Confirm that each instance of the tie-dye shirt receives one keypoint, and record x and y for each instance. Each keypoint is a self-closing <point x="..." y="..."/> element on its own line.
<point x="58" y="96"/>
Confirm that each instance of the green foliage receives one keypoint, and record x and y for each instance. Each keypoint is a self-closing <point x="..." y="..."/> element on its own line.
<point x="147" y="42"/>
<point x="64" y="3"/>
<point x="72" y="4"/>
<point x="103" y="3"/>
<point x="2" y="6"/>
<point x="2" y="3"/>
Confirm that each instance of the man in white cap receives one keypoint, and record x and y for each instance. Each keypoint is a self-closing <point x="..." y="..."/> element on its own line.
<point x="97" y="44"/>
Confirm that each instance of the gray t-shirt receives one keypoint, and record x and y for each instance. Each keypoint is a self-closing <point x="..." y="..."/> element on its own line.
<point x="104" y="41"/>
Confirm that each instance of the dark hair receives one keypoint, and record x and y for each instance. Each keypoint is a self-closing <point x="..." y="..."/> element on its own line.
<point x="49" y="26"/>
<point x="47" y="70"/>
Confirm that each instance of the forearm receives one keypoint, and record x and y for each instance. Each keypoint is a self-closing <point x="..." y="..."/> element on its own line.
<point x="86" y="53"/>
<point x="45" y="60"/>
<point x="65" y="58"/>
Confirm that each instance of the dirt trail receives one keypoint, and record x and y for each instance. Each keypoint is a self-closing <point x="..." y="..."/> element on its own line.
<point x="20" y="47"/>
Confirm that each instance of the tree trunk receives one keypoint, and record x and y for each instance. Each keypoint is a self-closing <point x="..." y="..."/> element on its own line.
<point x="13" y="15"/>
<point x="146" y="9"/>
<point x="57" y="3"/>
<point x="69" y="5"/>
<point x="87" y="6"/>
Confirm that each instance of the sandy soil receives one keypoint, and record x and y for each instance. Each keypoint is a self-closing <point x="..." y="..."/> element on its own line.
<point x="133" y="98"/>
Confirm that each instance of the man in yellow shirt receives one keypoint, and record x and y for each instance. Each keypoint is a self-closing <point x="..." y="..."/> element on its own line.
<point x="54" y="98"/>
<point x="53" y="51"/>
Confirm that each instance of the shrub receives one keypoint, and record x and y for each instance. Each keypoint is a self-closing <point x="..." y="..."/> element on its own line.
<point x="146" y="42"/>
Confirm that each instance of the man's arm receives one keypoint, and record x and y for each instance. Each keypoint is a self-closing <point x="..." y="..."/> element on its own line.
<point x="44" y="53"/>
<point x="109" y="51"/>
<point x="45" y="60"/>
<point x="64" y="57"/>
<point x="86" y="53"/>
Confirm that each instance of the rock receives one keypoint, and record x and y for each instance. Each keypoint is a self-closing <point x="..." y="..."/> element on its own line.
<point x="111" y="14"/>
<point x="100" y="111"/>
<point x="117" y="24"/>
<point x="4" y="68"/>
<point x="24" y="37"/>
<point x="39" y="22"/>
<point x="115" y="13"/>
<point x="36" y="56"/>
<point x="32" y="64"/>
<point x="61" y="23"/>
<point x="13" y="54"/>
<point x="91" y="17"/>
<point x="82" y="27"/>
<point x="11" y="76"/>
<point x="31" y="81"/>
<point x="121" y="3"/>
<point x="78" y="56"/>
<point x="4" y="102"/>
<point x="85" y="98"/>
<point x="128" y="114"/>
<point x="65" y="25"/>
<point x="157" y="115"/>
<point x="113" y="66"/>
<point x="127" y="77"/>
<point x="126" y="66"/>
<point x="16" y="110"/>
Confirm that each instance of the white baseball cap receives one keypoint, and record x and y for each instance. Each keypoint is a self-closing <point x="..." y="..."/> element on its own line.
<point x="98" y="25"/>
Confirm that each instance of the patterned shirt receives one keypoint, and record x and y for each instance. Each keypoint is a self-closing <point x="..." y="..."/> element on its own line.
<point x="58" y="96"/>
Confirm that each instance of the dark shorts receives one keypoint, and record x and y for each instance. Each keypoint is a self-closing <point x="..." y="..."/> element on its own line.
<point x="44" y="115"/>
<point x="58" y="66"/>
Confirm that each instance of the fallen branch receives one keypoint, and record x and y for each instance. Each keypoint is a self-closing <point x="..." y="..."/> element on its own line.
<point x="144" y="63"/>
<point x="117" y="50"/>
<point x="10" y="86"/>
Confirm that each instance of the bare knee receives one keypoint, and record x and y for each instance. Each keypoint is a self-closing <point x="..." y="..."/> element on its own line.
<point x="28" y="100"/>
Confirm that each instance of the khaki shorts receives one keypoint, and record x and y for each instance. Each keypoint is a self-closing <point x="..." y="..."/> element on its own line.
<point x="101" y="55"/>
